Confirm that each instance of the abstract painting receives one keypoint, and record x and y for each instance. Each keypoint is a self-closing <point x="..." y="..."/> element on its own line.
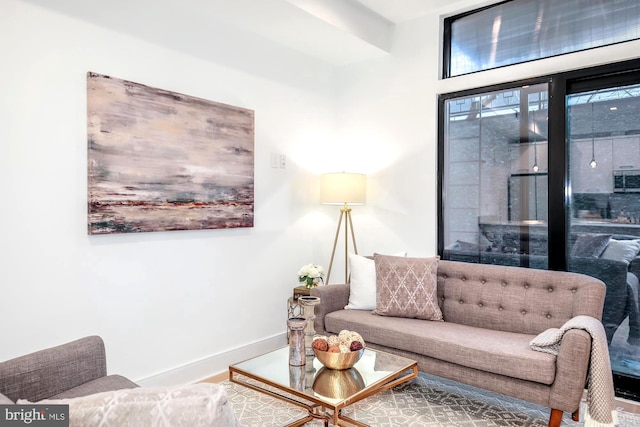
<point x="160" y="160"/>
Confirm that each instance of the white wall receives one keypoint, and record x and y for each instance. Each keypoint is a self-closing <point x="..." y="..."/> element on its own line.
<point x="389" y="120"/>
<point x="160" y="300"/>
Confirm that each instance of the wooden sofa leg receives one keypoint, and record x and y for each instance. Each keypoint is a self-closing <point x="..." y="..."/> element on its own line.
<point x="555" y="418"/>
<point x="576" y="415"/>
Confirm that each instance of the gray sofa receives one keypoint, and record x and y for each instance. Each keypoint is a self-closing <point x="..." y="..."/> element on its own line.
<point x="491" y="313"/>
<point x="74" y="369"/>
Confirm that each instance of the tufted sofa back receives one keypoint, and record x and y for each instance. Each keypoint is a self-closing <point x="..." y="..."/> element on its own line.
<point x="514" y="299"/>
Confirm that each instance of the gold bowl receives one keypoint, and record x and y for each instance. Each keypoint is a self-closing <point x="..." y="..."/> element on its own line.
<point x="338" y="361"/>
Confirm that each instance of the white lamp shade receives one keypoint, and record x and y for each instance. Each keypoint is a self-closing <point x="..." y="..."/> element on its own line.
<point x="342" y="187"/>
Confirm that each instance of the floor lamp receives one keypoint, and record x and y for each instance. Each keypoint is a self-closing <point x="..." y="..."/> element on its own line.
<point x="343" y="189"/>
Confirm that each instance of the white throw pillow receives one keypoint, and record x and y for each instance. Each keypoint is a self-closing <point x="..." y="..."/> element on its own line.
<point x="621" y="250"/>
<point x="362" y="293"/>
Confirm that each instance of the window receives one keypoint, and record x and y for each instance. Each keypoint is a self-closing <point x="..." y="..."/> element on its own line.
<point x="524" y="30"/>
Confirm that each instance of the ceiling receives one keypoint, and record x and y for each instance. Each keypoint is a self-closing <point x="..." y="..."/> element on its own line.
<point x="337" y="32"/>
<point x="398" y="11"/>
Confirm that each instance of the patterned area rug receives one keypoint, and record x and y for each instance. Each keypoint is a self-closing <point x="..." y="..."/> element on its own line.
<point x="425" y="401"/>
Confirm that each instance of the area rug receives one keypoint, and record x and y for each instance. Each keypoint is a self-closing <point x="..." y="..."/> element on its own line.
<point x="424" y="401"/>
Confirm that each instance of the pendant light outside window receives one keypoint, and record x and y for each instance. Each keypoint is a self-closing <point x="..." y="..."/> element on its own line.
<point x="593" y="162"/>
<point x="535" y="167"/>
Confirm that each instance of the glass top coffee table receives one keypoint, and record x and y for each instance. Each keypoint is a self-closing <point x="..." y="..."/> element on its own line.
<point x="323" y="392"/>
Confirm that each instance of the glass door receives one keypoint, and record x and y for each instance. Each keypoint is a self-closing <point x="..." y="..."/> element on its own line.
<point x="546" y="174"/>
<point x="495" y="186"/>
<point x="603" y="133"/>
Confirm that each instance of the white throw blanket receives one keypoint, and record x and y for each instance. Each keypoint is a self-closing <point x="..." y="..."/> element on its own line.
<point x="601" y="411"/>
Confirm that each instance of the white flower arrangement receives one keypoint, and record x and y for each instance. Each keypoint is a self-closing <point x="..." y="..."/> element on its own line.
<point x="311" y="275"/>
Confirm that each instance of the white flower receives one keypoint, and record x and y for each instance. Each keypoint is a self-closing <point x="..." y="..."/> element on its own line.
<point x="310" y="274"/>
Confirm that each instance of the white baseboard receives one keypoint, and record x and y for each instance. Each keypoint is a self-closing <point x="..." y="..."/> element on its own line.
<point x="213" y="365"/>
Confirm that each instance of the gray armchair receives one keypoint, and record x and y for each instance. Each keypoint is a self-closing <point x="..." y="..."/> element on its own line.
<point x="69" y="370"/>
<point x="77" y="371"/>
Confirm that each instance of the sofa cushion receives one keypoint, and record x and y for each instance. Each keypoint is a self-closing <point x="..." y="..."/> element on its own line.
<point x="503" y="353"/>
<point x="407" y="287"/>
<point x="590" y="245"/>
<point x="621" y="250"/>
<point x="188" y="405"/>
<point x="362" y="280"/>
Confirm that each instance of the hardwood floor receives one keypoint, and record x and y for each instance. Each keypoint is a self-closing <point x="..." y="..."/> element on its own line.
<point x="217" y="378"/>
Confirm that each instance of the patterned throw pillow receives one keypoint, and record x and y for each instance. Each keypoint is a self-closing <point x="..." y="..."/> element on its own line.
<point x="407" y="287"/>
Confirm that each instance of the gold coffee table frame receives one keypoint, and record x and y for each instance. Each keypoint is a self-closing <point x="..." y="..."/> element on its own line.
<point x="323" y="392"/>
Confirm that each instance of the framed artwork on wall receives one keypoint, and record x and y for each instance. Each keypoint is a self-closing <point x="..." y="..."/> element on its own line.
<point x="161" y="161"/>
